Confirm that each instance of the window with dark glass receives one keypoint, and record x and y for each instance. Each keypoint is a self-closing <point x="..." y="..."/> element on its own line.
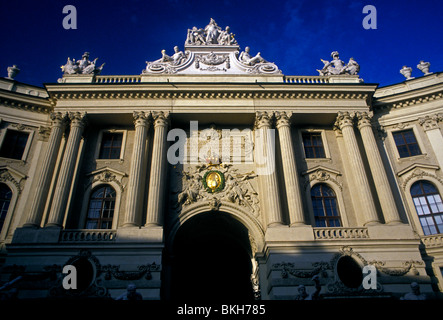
<point x="427" y="201"/>
<point x="14" y="144"/>
<point x="101" y="208"/>
<point x="5" y="200"/>
<point x="324" y="203"/>
<point x="406" y="143"/>
<point x="111" y="145"/>
<point x="313" y="144"/>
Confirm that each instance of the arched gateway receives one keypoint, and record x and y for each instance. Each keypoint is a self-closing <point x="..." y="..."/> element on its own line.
<point x="212" y="260"/>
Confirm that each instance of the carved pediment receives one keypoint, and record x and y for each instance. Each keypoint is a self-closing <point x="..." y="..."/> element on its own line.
<point x="106" y="175"/>
<point x="322" y="174"/>
<point x="7" y="174"/>
<point x="419" y="171"/>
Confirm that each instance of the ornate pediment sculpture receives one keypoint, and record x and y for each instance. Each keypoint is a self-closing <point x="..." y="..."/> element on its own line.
<point x="210" y="50"/>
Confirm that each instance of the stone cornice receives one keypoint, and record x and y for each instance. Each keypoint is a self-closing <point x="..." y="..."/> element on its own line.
<point x="25" y="102"/>
<point x="213" y="93"/>
<point x="409" y="98"/>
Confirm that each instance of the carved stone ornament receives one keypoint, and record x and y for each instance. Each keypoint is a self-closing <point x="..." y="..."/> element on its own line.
<point x="210" y="50"/>
<point x="113" y="271"/>
<point x="204" y="183"/>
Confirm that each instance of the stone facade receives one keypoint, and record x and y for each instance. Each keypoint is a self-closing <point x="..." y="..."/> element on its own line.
<point x="160" y="207"/>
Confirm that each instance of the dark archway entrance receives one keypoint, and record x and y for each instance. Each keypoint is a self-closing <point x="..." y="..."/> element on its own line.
<point x="211" y="260"/>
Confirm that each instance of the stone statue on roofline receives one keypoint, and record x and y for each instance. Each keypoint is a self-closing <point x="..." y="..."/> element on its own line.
<point x="246" y="58"/>
<point x="83" y="66"/>
<point x="337" y="66"/>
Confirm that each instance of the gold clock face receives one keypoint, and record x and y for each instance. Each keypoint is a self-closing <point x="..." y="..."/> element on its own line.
<point x="213" y="180"/>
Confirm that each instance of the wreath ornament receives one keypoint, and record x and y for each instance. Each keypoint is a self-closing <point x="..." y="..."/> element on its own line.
<point x="213" y="181"/>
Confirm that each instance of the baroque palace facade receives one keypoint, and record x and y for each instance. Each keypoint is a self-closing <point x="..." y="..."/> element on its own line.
<point x="214" y="175"/>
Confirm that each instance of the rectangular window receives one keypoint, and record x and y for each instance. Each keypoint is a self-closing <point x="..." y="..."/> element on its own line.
<point x="111" y="145"/>
<point x="406" y="143"/>
<point x="14" y="144"/>
<point x="313" y="145"/>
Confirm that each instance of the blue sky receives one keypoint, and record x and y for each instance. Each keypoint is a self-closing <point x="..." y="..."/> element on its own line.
<point x="293" y="34"/>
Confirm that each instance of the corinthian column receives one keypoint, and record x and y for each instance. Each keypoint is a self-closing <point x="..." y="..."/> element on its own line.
<point x="139" y="162"/>
<point x="381" y="181"/>
<point x="158" y="170"/>
<point x="67" y="168"/>
<point x="363" y="191"/>
<point x="295" y="205"/>
<point x="45" y="175"/>
<point x="265" y="167"/>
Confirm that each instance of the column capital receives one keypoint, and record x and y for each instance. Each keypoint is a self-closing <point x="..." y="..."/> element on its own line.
<point x="161" y="118"/>
<point x="78" y="119"/>
<point x="364" y="119"/>
<point x="141" y="118"/>
<point x="430" y="122"/>
<point x="283" y="118"/>
<point x="263" y="119"/>
<point x="58" y="118"/>
<point x="344" y="119"/>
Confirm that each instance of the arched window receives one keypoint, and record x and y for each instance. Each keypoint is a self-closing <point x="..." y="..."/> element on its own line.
<point x="324" y="203"/>
<point x="429" y="206"/>
<point x="101" y="208"/>
<point x="5" y="200"/>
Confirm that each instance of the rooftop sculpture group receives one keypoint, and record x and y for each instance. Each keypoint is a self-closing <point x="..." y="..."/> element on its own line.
<point x="200" y="55"/>
<point x="337" y="66"/>
<point x="83" y="66"/>
<point x="211" y="34"/>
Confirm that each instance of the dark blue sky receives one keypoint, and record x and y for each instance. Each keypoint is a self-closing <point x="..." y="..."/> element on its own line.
<point x="293" y="34"/>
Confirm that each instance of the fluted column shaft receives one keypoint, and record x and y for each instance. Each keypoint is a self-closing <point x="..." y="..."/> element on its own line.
<point x="139" y="161"/>
<point x="265" y="160"/>
<point x="379" y="175"/>
<point x="293" y="195"/>
<point x="157" y="181"/>
<point x="363" y="191"/>
<point x="67" y="168"/>
<point x="45" y="175"/>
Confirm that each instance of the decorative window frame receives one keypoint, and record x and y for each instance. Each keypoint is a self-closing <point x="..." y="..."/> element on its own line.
<point x="13" y="179"/>
<point x="394" y="149"/>
<point x="99" y="143"/>
<point x="329" y="177"/>
<point x="324" y="141"/>
<point x="21" y="128"/>
<point x="104" y="176"/>
<point x="412" y="174"/>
